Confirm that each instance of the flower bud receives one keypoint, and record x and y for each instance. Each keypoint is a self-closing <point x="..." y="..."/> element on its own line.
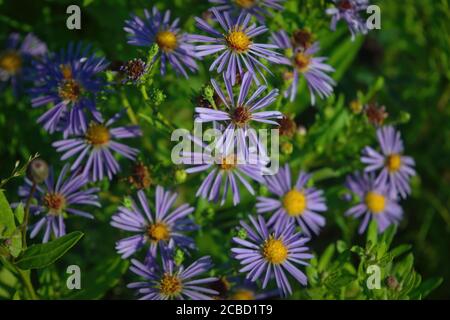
<point x="180" y="176"/>
<point x="37" y="171"/>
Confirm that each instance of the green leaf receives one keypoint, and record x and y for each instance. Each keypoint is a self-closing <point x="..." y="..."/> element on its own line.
<point x="105" y="276"/>
<point x="427" y="286"/>
<point x="19" y="213"/>
<point x="388" y="235"/>
<point x="326" y="257"/>
<point x="7" y="225"/>
<point x="15" y="244"/>
<point x="401" y="249"/>
<point x="42" y="255"/>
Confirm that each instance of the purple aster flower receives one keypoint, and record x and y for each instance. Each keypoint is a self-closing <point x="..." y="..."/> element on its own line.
<point x="55" y="198"/>
<point x="164" y="229"/>
<point x="295" y="205"/>
<point x="267" y="252"/>
<point x="96" y="144"/>
<point x="303" y="62"/>
<point x="349" y="11"/>
<point x="16" y="57"/>
<point x="374" y="202"/>
<point x="241" y="111"/>
<point x="171" y="282"/>
<point x="257" y="8"/>
<point x="238" y="51"/>
<point x="227" y="169"/>
<point x="172" y="43"/>
<point x="396" y="169"/>
<point x="69" y="81"/>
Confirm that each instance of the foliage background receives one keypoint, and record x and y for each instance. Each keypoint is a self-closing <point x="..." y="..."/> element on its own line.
<point x="404" y="66"/>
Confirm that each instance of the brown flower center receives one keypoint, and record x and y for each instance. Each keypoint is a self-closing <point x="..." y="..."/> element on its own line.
<point x="287" y="126"/>
<point x="241" y="116"/>
<point x="302" y="38"/>
<point x="55" y="202"/>
<point x="345" y="5"/>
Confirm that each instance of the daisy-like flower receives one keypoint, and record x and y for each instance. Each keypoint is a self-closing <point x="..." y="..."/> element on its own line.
<point x="304" y="63"/>
<point x="69" y="80"/>
<point x="96" y="144"/>
<point x="257" y="8"/>
<point x="241" y="111"/>
<point x="163" y="229"/>
<point x="171" y="282"/>
<point x="396" y="168"/>
<point x="238" y="51"/>
<point x="267" y="252"/>
<point x="374" y="202"/>
<point x="55" y="199"/>
<point x="172" y="42"/>
<point x="296" y="204"/>
<point x="349" y="11"/>
<point x="227" y="169"/>
<point x="16" y="57"/>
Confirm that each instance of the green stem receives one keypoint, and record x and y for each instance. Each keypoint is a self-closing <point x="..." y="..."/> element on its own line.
<point x="25" y="276"/>
<point x="130" y="111"/>
<point x="27" y="215"/>
<point x="158" y="114"/>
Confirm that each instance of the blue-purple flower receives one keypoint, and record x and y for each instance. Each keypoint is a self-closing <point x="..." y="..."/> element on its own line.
<point x="55" y="199"/>
<point x="304" y="63"/>
<point x="257" y="8"/>
<point x="227" y="168"/>
<point x="172" y="42"/>
<point x="171" y="282"/>
<point x="69" y="81"/>
<point x="396" y="168"/>
<point x="235" y="45"/>
<point x="268" y="252"/>
<point x="95" y="144"/>
<point x="164" y="229"/>
<point x="16" y="58"/>
<point x="296" y="204"/>
<point x="349" y="11"/>
<point x="240" y="112"/>
<point x="375" y="202"/>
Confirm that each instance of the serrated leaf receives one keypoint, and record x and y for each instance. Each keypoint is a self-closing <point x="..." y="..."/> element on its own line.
<point x="7" y="225"/>
<point x="41" y="255"/>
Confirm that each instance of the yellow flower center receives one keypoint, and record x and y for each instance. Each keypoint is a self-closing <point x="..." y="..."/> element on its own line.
<point x="11" y="62"/>
<point x="243" y="295"/>
<point x="375" y="202"/>
<point x="69" y="90"/>
<point x="238" y="41"/>
<point x="97" y="135"/>
<point x="229" y="162"/>
<point x="393" y="162"/>
<point x="294" y="202"/>
<point x="55" y="202"/>
<point x="302" y="61"/>
<point x="158" y="231"/>
<point x="170" y="285"/>
<point x="166" y="40"/>
<point x="246" y="4"/>
<point x="274" y="251"/>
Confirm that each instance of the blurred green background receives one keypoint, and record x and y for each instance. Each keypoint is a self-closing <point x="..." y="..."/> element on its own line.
<point x="410" y="54"/>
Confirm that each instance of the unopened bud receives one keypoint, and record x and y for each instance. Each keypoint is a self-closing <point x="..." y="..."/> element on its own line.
<point x="180" y="176"/>
<point x="37" y="171"/>
<point x="287" y="148"/>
